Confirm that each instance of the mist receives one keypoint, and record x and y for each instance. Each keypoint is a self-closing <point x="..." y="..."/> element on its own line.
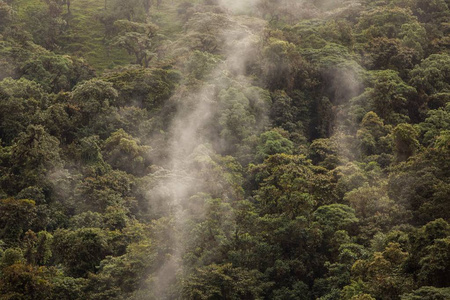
<point x="224" y="149"/>
<point x="191" y="136"/>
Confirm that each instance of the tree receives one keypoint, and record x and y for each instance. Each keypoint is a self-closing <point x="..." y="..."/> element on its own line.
<point x="335" y="217"/>
<point x="204" y="31"/>
<point x="235" y="119"/>
<point x="405" y="141"/>
<point x="67" y="3"/>
<point x="92" y="108"/>
<point x="435" y="264"/>
<point x="431" y="76"/>
<point x="324" y="152"/>
<point x="299" y="290"/>
<point x="224" y="282"/>
<point x="281" y="62"/>
<point x="431" y="239"/>
<point x="139" y="39"/>
<point x="26" y="282"/>
<point x="219" y="176"/>
<point x="143" y="88"/>
<point x="431" y="11"/>
<point x="421" y="184"/>
<point x="375" y="210"/>
<point x="382" y="273"/>
<point x="38" y="245"/>
<point x="57" y="121"/>
<point x="20" y="105"/>
<point x="436" y="122"/>
<point x="111" y="189"/>
<point x="428" y="293"/>
<point x="6" y="14"/>
<point x="390" y="96"/>
<point x="55" y="73"/>
<point x="46" y="23"/>
<point x="80" y="251"/>
<point x="122" y="275"/>
<point x="273" y="142"/>
<point x="126" y="153"/>
<point x="284" y="183"/>
<point x="201" y="64"/>
<point x="33" y="156"/>
<point x="283" y="110"/>
<point x="383" y="53"/>
<point x="17" y="216"/>
<point x="384" y="22"/>
<point x="372" y="135"/>
<point x="114" y="10"/>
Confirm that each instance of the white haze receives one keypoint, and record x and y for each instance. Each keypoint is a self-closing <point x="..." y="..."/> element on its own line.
<point x="188" y="132"/>
<point x="239" y="6"/>
<point x="188" y="135"/>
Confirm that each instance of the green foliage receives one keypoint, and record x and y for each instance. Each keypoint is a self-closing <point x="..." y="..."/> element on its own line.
<point x="422" y="176"/>
<point x="45" y="22"/>
<point x="224" y="149"/>
<point x="282" y="61"/>
<point x="428" y="293"/>
<point x="201" y="64"/>
<point x="25" y="282"/>
<point x="273" y="142"/>
<point x="34" y="156"/>
<point x="384" y="53"/>
<point x="437" y="121"/>
<point x="91" y="105"/>
<point x="203" y="31"/>
<point x="146" y="88"/>
<point x="405" y="140"/>
<point x="382" y="272"/>
<point x="124" y="152"/>
<point x="56" y="73"/>
<point x="101" y="191"/>
<point x="222" y="174"/>
<point x="431" y="76"/>
<point x="21" y="102"/>
<point x="80" y="251"/>
<point x="93" y="97"/>
<point x="121" y="275"/>
<point x="335" y="217"/>
<point x="17" y="216"/>
<point x="388" y="98"/>
<point x="299" y="291"/>
<point x="429" y="238"/>
<point x="241" y="113"/>
<point x="223" y="281"/>
<point x="373" y="135"/>
<point x="284" y="184"/>
<point x="384" y="22"/>
<point x="6" y="13"/>
<point x="431" y="11"/>
<point x="38" y="245"/>
<point x="139" y="39"/>
<point x="435" y="264"/>
<point x="114" y="10"/>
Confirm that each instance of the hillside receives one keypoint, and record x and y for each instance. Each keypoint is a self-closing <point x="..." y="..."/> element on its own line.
<point x="225" y="149"/>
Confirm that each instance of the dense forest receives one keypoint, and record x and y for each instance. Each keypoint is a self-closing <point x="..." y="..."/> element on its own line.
<point x="225" y="149"/>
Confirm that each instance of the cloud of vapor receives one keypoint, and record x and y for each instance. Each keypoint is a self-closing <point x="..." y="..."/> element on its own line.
<point x="236" y="38"/>
<point x="197" y="108"/>
<point x="346" y="83"/>
<point x="239" y="6"/>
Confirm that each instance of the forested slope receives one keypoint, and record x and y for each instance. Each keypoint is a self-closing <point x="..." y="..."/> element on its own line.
<point x="225" y="149"/>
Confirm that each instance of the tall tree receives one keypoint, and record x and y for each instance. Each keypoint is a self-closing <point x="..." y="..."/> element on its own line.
<point x="138" y="39"/>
